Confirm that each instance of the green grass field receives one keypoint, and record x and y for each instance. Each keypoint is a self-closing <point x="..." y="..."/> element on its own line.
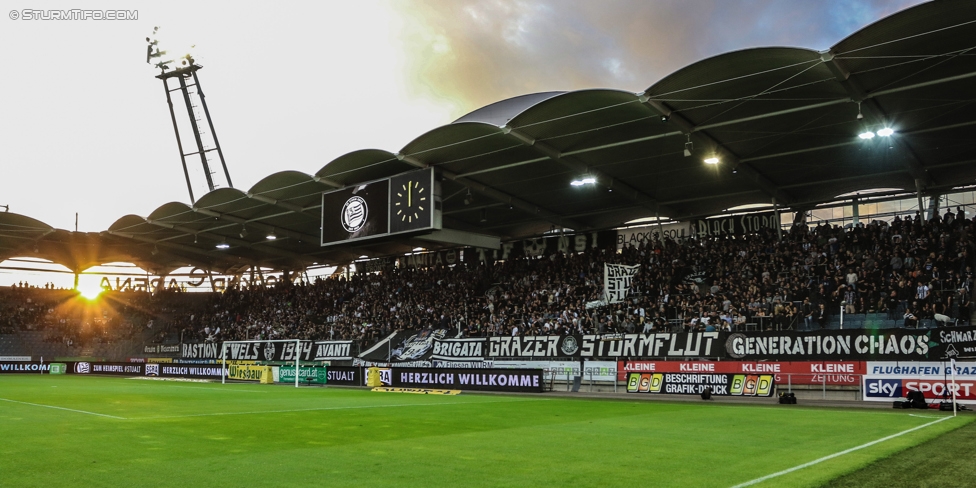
<point x="99" y="431"/>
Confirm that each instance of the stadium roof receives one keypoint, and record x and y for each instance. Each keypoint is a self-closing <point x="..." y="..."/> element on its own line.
<point x="783" y="123"/>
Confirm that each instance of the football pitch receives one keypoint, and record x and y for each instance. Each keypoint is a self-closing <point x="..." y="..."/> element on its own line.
<point x="102" y="431"/>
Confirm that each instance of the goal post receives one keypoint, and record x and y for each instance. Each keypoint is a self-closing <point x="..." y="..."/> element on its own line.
<point x="225" y="344"/>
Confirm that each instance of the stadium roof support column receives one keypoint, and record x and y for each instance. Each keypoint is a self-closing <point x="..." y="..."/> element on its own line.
<point x="550" y="216"/>
<point x="779" y="222"/>
<point x="580" y="167"/>
<point x="918" y="195"/>
<point x="759" y="179"/>
<point x="858" y="94"/>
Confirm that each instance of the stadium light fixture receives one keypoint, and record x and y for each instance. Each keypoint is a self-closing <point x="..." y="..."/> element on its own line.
<point x="271" y="236"/>
<point x="866" y="135"/>
<point x="223" y="245"/>
<point x="886" y="132"/>
<point x="589" y="180"/>
<point x="712" y="160"/>
<point x="689" y="146"/>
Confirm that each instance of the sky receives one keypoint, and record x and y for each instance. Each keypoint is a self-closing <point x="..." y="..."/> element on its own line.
<point x="84" y="125"/>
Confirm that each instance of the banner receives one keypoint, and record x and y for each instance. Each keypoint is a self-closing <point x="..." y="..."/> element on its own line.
<point x="528" y="380"/>
<point x="21" y="367"/>
<point x="116" y="369"/>
<point x="888" y="381"/>
<point x="246" y="372"/>
<point x="15" y="358"/>
<point x="161" y="349"/>
<point x="737" y="225"/>
<point x="635" y="236"/>
<point x="183" y="371"/>
<point x="695" y="383"/>
<point x="957" y="342"/>
<point x="846" y="373"/>
<point x="661" y="345"/>
<point x="315" y="375"/>
<point x="589" y="370"/>
<point x="333" y="351"/>
<point x="345" y="376"/>
<point x="617" y="279"/>
<point x="269" y="351"/>
<point x="458" y="349"/>
<point x="204" y="350"/>
<point x="854" y="344"/>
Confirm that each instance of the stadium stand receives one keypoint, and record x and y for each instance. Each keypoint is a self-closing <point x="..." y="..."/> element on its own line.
<point x="883" y="275"/>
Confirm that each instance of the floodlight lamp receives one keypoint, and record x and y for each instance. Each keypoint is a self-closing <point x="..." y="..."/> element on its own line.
<point x="468" y="198"/>
<point x="866" y="135"/>
<point x="223" y="245"/>
<point x="588" y="180"/>
<point x="886" y="132"/>
<point x="484" y="215"/>
<point x="689" y="146"/>
<point x="271" y="236"/>
<point x="711" y="160"/>
<point x="859" y="114"/>
<point x="243" y="231"/>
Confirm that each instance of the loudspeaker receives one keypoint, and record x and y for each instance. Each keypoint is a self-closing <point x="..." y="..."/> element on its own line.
<point x="706" y="394"/>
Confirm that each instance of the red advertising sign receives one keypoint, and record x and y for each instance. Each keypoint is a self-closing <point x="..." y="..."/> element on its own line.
<point x="845" y="373"/>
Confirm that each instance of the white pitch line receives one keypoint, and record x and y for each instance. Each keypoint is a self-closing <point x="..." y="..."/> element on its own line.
<point x="63" y="408"/>
<point x="836" y="454"/>
<point x="216" y="414"/>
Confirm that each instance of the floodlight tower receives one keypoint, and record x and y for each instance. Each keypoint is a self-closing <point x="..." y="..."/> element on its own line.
<point x="180" y="71"/>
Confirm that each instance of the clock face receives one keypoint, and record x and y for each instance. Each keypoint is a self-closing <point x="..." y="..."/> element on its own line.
<point x="411" y="201"/>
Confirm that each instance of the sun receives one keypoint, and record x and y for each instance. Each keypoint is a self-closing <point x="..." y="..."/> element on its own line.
<point x="90" y="292"/>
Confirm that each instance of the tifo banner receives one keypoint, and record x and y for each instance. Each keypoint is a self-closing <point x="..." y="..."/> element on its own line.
<point x="695" y="384"/>
<point x="854" y="344"/>
<point x="161" y="349"/>
<point x="529" y="380"/>
<point x="589" y="371"/>
<point x="846" y="373"/>
<point x="21" y="367"/>
<point x="957" y="342"/>
<point x="313" y="374"/>
<point x="333" y="351"/>
<point x="635" y="236"/>
<point x="662" y="345"/>
<point x="269" y="351"/>
<point x="737" y="225"/>
<point x="246" y="372"/>
<point x="617" y="279"/>
<point x="203" y="350"/>
<point x="889" y="380"/>
<point x="459" y="349"/>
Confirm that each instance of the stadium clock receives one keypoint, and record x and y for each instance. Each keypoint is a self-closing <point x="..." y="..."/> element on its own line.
<point x="411" y="201"/>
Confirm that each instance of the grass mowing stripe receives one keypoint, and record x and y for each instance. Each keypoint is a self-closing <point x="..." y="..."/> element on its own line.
<point x="217" y="414"/>
<point x="63" y="408"/>
<point x="837" y="454"/>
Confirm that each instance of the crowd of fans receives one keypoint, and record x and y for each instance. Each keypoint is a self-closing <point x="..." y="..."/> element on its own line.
<point x="908" y="270"/>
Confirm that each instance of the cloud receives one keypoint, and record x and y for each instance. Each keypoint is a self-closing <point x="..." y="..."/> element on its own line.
<point x="469" y="53"/>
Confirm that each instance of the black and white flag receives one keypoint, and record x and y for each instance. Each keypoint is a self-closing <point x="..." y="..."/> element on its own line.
<point x="617" y="279"/>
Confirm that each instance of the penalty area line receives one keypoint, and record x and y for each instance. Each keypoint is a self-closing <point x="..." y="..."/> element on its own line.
<point x="837" y="454"/>
<point x="64" y="408"/>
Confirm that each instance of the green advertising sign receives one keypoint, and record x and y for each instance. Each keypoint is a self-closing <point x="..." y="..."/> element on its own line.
<point x="315" y="375"/>
<point x="58" y="368"/>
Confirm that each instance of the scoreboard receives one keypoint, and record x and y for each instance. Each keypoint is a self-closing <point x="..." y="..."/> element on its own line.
<point x="400" y="204"/>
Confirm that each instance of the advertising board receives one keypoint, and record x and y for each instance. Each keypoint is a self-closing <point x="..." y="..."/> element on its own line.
<point x="888" y="381"/>
<point x="528" y="380"/>
<point x="834" y="373"/>
<point x="695" y="383"/>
